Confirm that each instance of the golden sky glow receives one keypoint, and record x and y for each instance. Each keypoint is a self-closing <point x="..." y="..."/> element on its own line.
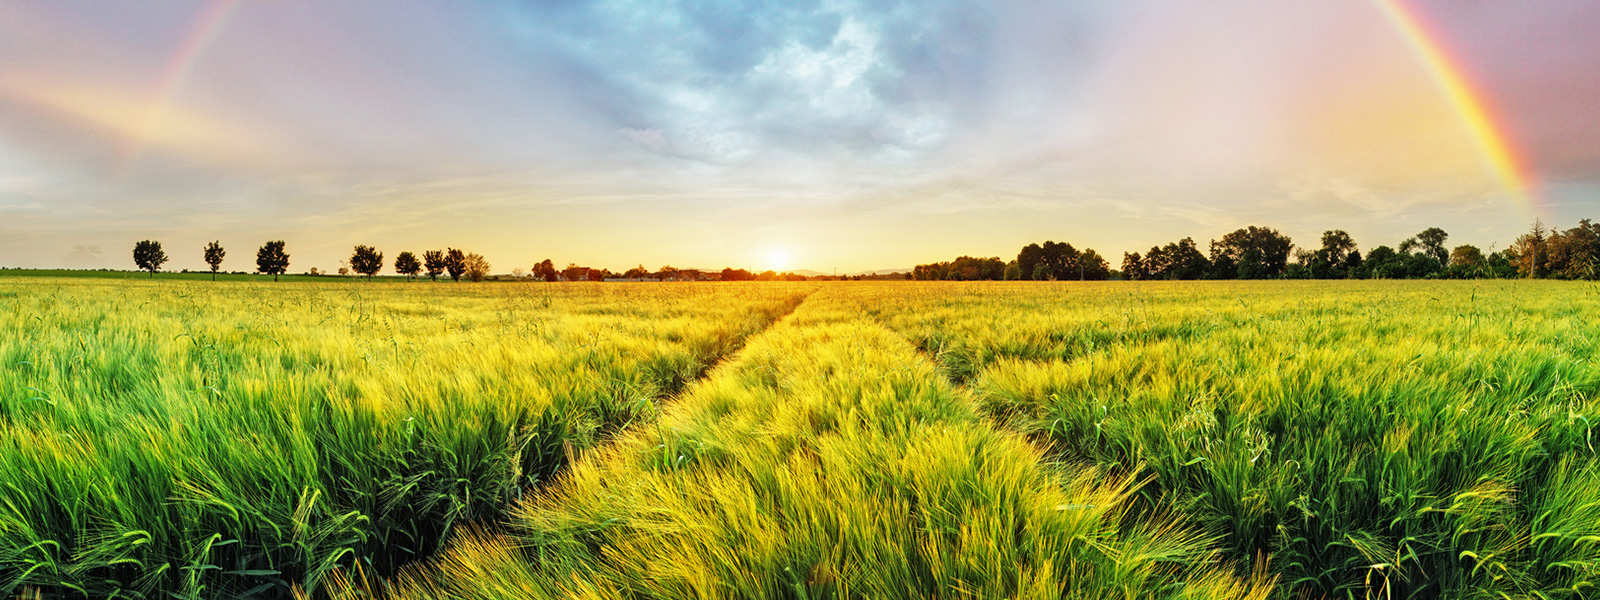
<point x="837" y="136"/>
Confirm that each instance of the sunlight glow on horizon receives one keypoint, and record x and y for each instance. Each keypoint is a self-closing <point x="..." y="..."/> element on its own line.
<point x="847" y="137"/>
<point x="779" y="259"/>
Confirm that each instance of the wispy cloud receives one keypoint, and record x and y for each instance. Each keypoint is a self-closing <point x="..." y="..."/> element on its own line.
<point x="698" y="133"/>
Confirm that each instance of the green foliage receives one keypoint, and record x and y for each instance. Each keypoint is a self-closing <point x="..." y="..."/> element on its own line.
<point x="214" y="255"/>
<point x="406" y="264"/>
<point x="830" y="460"/>
<point x="170" y="439"/>
<point x="366" y="260"/>
<point x="1250" y="253"/>
<point x="272" y="260"/>
<point x="1376" y="439"/>
<point x="906" y="440"/>
<point x="455" y="263"/>
<point x="434" y="260"/>
<point x="149" y="256"/>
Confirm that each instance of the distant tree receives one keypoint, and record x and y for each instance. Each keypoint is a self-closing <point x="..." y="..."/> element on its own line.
<point x="732" y="274"/>
<point x="1029" y="261"/>
<point x="1501" y="265"/>
<point x="475" y="267"/>
<point x="406" y="264"/>
<point x="1574" y="253"/>
<point x="1254" y="252"/>
<point x="546" y="270"/>
<point x="1431" y="242"/>
<point x="1133" y="266"/>
<point x="343" y="270"/>
<point x="968" y="268"/>
<point x="1013" y="272"/>
<point x="1061" y="260"/>
<point x="1334" y="259"/>
<point x="149" y="256"/>
<point x="366" y="260"/>
<point x="935" y="271"/>
<point x="434" y="261"/>
<point x="1531" y="251"/>
<point x="1092" y="267"/>
<point x="214" y="254"/>
<point x="455" y="262"/>
<point x="1466" y="261"/>
<point x="1381" y="263"/>
<point x="573" y="272"/>
<point x="638" y="272"/>
<point x="667" y="273"/>
<point x="1177" y="260"/>
<point x="598" y="274"/>
<point x="272" y="260"/>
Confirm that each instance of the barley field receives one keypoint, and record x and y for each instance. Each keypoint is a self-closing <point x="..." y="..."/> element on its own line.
<point x="1340" y="439"/>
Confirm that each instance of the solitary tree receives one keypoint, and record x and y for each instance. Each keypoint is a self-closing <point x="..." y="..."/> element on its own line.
<point x="148" y="255"/>
<point x="475" y="267"/>
<point x="272" y="260"/>
<point x="406" y="264"/>
<point x="367" y="261"/>
<point x="455" y="261"/>
<point x="214" y="254"/>
<point x="434" y="261"/>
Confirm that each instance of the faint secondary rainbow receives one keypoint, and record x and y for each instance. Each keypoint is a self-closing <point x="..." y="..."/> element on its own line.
<point x="1498" y="154"/>
<point x="202" y="31"/>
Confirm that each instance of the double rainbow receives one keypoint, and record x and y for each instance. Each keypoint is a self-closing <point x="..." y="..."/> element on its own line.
<point x="1499" y="156"/>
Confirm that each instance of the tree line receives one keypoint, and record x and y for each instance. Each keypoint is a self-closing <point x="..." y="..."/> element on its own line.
<point x="366" y="260"/>
<point x="1265" y="253"/>
<point x="272" y="259"/>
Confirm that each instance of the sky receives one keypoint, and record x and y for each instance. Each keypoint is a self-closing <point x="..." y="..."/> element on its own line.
<point x="823" y="135"/>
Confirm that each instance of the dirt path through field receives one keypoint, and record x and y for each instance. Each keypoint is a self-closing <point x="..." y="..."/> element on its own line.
<point x="826" y="458"/>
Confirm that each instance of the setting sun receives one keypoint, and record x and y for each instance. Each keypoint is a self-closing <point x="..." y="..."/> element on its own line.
<point x="778" y="258"/>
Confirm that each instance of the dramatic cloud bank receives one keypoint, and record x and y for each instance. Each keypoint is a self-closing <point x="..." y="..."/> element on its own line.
<point x="850" y="135"/>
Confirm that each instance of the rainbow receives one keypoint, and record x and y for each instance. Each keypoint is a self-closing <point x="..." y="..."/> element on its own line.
<point x="1498" y="154"/>
<point x="202" y="31"/>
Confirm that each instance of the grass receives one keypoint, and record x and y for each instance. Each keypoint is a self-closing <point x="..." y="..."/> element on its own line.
<point x="831" y="460"/>
<point x="1369" y="439"/>
<point x="1150" y="440"/>
<point x="244" y="439"/>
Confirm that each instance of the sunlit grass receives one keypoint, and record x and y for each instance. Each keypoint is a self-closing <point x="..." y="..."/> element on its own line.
<point x="831" y="460"/>
<point x="903" y="440"/>
<point x="1383" y="439"/>
<point x="220" y="440"/>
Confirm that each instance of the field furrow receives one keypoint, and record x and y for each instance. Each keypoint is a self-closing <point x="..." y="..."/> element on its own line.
<point x="1412" y="440"/>
<point x="829" y="459"/>
<point x="212" y="441"/>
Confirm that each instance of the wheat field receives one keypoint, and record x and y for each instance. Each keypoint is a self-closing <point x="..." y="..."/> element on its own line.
<point x="1384" y="439"/>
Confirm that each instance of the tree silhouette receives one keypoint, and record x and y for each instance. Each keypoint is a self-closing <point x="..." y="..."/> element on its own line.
<point x="214" y="254"/>
<point x="1133" y="267"/>
<point x="475" y="266"/>
<point x="455" y="262"/>
<point x="406" y="264"/>
<point x="1250" y="253"/>
<point x="1432" y="242"/>
<point x="546" y="270"/>
<point x="272" y="260"/>
<point x="149" y="256"/>
<point x="367" y="261"/>
<point x="434" y="260"/>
